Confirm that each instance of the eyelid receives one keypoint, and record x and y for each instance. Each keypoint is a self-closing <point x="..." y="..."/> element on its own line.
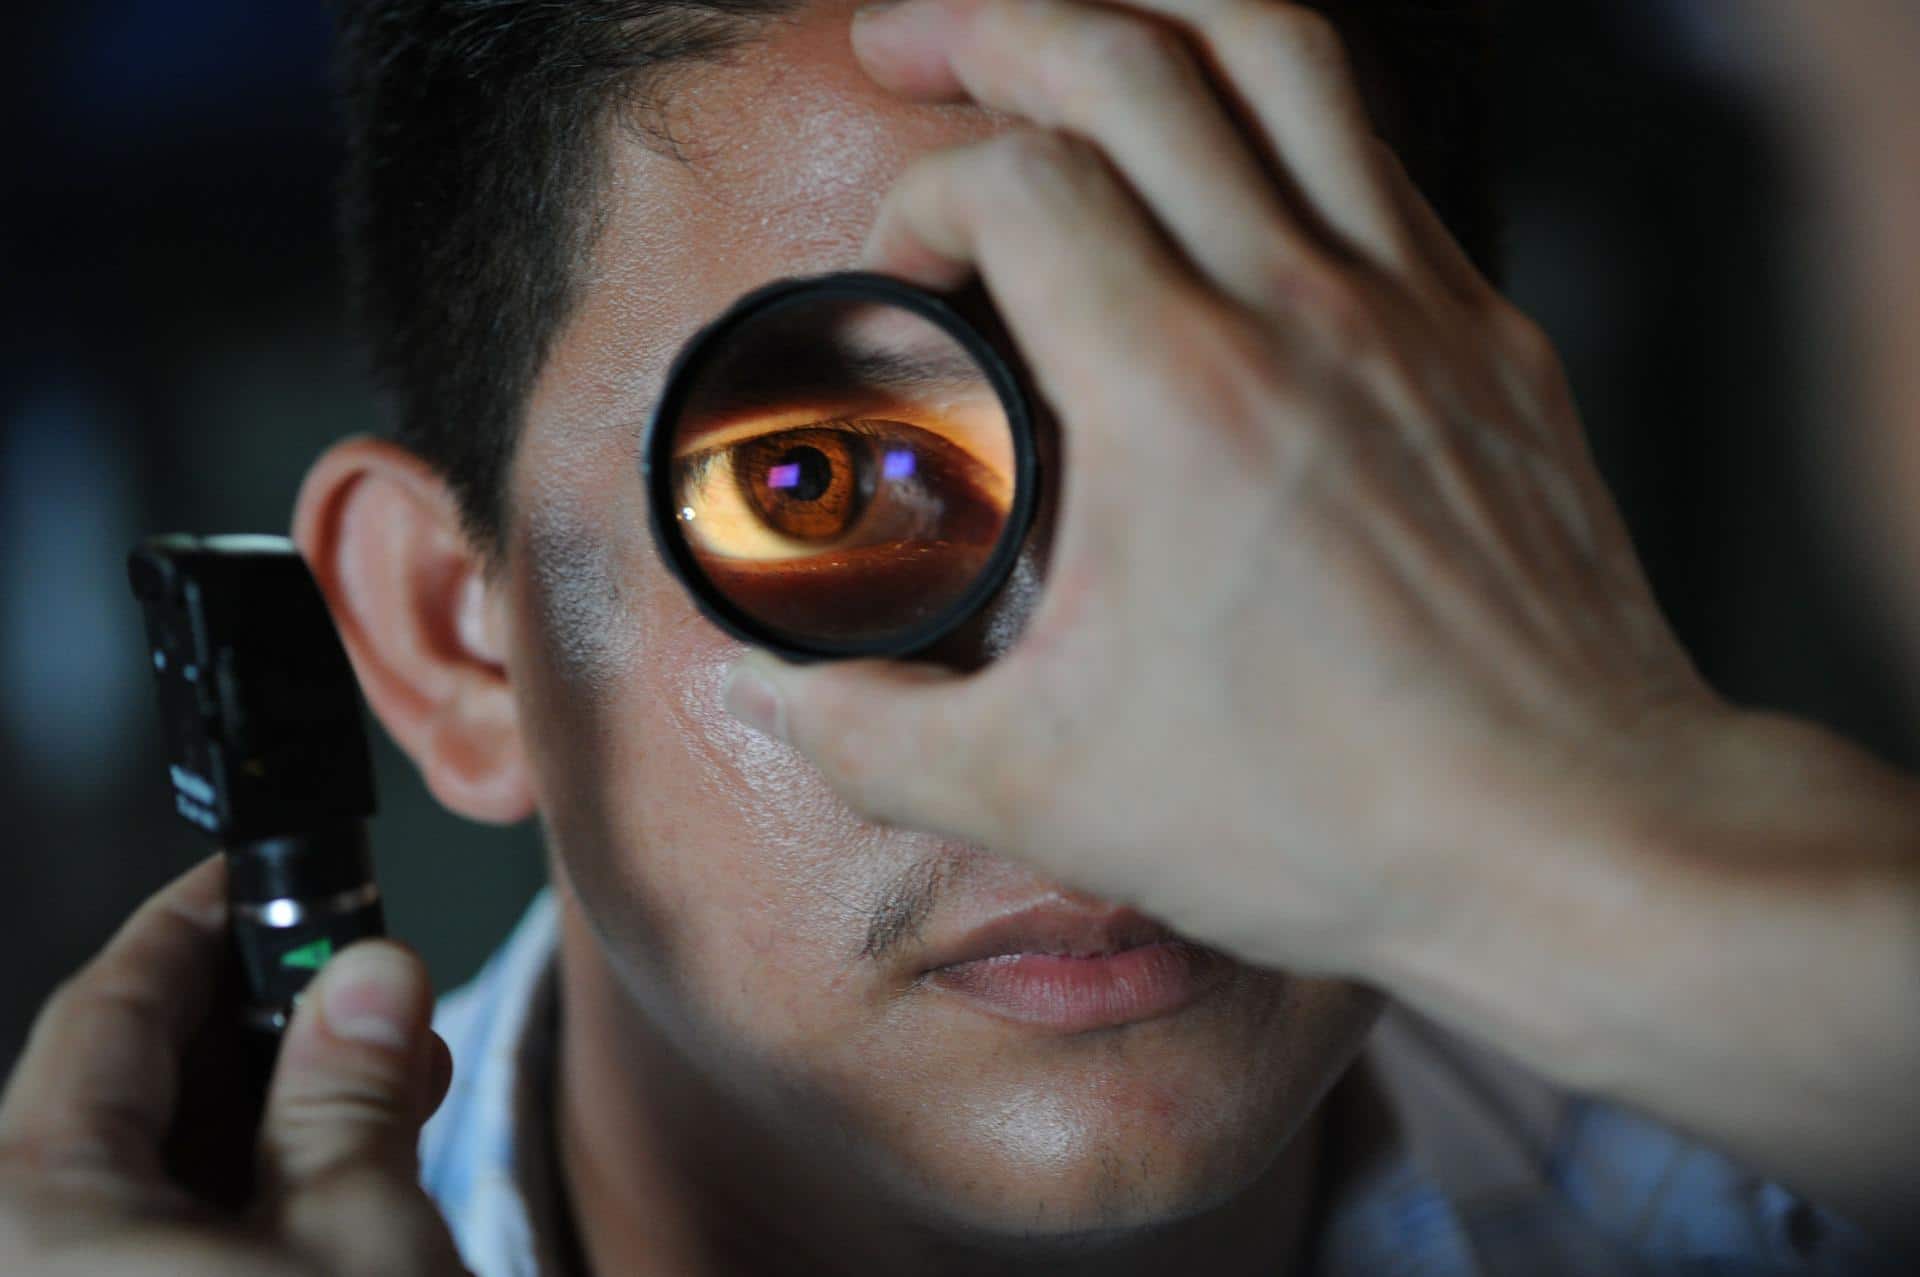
<point x="990" y="447"/>
<point x="715" y="438"/>
<point x="711" y="445"/>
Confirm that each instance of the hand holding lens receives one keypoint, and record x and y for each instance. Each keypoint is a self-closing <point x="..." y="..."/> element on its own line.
<point x="842" y="466"/>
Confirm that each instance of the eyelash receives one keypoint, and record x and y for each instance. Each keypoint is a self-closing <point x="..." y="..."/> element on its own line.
<point x="692" y="464"/>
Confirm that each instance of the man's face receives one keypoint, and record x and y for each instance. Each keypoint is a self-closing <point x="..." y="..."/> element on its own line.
<point x="777" y="942"/>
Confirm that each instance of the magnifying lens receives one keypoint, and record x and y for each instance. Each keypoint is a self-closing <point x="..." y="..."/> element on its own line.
<point x="842" y="466"/>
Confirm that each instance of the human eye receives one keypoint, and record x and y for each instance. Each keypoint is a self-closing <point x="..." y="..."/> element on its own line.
<point x="822" y="493"/>
<point x="823" y="524"/>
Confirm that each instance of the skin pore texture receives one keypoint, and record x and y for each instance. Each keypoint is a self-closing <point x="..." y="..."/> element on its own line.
<point x="751" y="1076"/>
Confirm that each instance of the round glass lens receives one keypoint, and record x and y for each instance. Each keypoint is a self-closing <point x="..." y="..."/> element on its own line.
<point x="841" y="470"/>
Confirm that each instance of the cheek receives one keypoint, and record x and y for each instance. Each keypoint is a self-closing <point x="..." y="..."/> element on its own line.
<point x="717" y="867"/>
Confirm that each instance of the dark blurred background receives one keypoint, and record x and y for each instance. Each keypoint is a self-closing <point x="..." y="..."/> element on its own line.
<point x="175" y="354"/>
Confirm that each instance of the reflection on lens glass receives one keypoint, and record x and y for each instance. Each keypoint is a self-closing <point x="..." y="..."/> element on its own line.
<point x="842" y="470"/>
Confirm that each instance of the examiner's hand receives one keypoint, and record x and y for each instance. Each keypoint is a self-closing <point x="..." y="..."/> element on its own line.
<point x="1336" y="597"/>
<point x="84" y="1184"/>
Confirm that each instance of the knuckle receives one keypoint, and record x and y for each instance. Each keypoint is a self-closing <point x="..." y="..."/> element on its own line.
<point x="1324" y="299"/>
<point x="1525" y="342"/>
<point x="1309" y="34"/>
<point x="102" y="1004"/>
<point x="298" y="1158"/>
<point x="102" y="996"/>
<point x="1250" y="410"/>
<point x="60" y="1002"/>
<point x="1116" y="56"/>
<point x="114" y="1134"/>
<point x="1043" y="166"/>
<point x="1232" y="369"/>
<point x="355" y="1118"/>
<point x="927" y="177"/>
<point x="361" y="1092"/>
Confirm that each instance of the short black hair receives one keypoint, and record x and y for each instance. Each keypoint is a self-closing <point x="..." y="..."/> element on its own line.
<point x="475" y="134"/>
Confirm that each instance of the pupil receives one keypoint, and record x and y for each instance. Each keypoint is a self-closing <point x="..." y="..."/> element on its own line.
<point x="802" y="474"/>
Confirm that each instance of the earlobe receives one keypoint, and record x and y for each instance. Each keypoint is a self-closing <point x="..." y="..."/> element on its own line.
<point x="410" y="595"/>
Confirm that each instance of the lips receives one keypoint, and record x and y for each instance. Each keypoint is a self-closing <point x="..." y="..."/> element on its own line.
<point x="1072" y="969"/>
<point x="1055" y="929"/>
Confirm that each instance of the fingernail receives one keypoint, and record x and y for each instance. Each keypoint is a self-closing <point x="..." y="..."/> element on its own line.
<point x="753" y="700"/>
<point x="369" y="996"/>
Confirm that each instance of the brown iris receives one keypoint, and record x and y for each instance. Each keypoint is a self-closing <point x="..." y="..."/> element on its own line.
<point x="811" y="485"/>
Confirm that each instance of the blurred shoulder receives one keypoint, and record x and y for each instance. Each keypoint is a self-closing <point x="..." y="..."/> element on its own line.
<point x="1543" y="1180"/>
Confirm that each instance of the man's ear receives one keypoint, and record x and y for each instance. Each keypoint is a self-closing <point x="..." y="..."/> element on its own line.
<point x="425" y="631"/>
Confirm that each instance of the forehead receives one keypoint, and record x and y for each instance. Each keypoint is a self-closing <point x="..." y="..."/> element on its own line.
<point x="770" y="162"/>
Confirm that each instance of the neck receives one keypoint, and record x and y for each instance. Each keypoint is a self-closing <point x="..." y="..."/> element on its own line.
<point x="666" y="1174"/>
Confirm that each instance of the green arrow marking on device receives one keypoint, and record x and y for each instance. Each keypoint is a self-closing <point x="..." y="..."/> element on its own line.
<point x="309" y="957"/>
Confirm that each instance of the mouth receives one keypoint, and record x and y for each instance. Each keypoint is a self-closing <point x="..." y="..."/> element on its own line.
<point x="1071" y="969"/>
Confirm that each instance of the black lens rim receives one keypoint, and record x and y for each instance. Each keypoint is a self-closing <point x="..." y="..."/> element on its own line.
<point x="656" y="464"/>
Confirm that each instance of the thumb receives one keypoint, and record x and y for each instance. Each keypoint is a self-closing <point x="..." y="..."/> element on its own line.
<point x="355" y="1081"/>
<point x="896" y="740"/>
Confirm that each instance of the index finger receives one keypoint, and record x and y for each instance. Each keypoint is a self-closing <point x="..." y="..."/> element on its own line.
<point x="1284" y="68"/>
<point x="97" y="1083"/>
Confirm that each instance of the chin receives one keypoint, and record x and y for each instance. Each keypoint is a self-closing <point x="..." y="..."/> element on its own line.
<point x="1104" y="1196"/>
<point x="1093" y="1154"/>
<point x="1041" y="1139"/>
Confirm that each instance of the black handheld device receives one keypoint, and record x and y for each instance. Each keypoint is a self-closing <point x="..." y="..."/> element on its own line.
<point x="267" y="752"/>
